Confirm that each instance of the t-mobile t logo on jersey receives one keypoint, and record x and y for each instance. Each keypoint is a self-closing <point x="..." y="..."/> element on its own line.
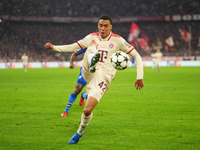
<point x="104" y="55"/>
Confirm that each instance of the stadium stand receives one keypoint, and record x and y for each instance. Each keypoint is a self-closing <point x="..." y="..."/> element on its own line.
<point x="92" y="8"/>
<point x="20" y="36"/>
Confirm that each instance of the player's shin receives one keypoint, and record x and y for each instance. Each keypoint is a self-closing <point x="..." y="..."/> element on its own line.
<point x="84" y="123"/>
<point x="71" y="100"/>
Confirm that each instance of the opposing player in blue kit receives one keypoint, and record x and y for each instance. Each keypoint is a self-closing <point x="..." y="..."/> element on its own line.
<point x="79" y="85"/>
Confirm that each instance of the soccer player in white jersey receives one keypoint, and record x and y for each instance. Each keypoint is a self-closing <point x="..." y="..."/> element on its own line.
<point x="24" y="59"/>
<point x="156" y="58"/>
<point x="97" y="69"/>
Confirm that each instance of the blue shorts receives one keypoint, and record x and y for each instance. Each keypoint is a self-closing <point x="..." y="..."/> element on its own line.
<point x="80" y="79"/>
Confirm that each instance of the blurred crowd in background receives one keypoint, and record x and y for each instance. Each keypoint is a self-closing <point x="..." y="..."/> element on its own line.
<point x="19" y="37"/>
<point x="92" y="8"/>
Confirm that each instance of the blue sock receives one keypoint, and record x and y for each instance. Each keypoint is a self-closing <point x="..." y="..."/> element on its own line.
<point x="84" y="95"/>
<point x="71" y="99"/>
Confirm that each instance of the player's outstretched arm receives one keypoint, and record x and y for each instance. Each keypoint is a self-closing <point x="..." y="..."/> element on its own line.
<point x="63" y="48"/>
<point x="139" y="65"/>
<point x="72" y="58"/>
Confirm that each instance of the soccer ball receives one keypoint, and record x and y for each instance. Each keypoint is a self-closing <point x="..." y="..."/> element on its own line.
<point x="120" y="60"/>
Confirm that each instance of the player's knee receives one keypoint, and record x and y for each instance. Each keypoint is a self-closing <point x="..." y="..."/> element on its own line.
<point x="78" y="89"/>
<point x="87" y="111"/>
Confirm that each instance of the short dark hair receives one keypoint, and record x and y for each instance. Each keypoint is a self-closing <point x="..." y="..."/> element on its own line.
<point x="106" y="17"/>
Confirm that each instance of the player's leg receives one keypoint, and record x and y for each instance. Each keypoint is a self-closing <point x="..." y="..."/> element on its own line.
<point x="72" y="98"/>
<point x="82" y="81"/>
<point x="158" y="66"/>
<point x="85" y="119"/>
<point x="83" y="97"/>
<point x="87" y="113"/>
<point x="78" y="88"/>
<point x="24" y="68"/>
<point x="91" y="57"/>
<point x="96" y="89"/>
<point x="94" y="61"/>
<point x="153" y="66"/>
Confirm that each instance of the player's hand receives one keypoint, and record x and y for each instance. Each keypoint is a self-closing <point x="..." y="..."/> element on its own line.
<point x="71" y="66"/>
<point x="139" y="84"/>
<point x="48" y="46"/>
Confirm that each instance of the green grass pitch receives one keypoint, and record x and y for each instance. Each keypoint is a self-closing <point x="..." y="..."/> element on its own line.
<point x="164" y="115"/>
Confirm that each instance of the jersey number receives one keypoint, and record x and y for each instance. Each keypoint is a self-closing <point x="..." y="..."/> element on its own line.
<point x="102" y="86"/>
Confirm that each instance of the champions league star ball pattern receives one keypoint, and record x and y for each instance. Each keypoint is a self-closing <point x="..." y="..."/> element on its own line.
<point x="120" y="60"/>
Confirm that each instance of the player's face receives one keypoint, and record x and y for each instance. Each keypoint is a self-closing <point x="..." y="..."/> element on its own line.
<point x="104" y="27"/>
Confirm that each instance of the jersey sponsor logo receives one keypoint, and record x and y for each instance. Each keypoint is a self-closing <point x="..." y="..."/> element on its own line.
<point x="111" y="45"/>
<point x="104" y="55"/>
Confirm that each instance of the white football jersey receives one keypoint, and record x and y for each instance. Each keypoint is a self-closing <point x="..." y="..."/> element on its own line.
<point x="106" y="47"/>
<point x="24" y="59"/>
<point x="157" y="56"/>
